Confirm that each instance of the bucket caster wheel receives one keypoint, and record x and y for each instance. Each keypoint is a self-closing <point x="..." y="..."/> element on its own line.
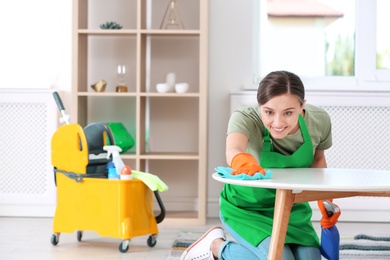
<point x="55" y="238"/>
<point x="79" y="235"/>
<point x="124" y="246"/>
<point x="152" y="240"/>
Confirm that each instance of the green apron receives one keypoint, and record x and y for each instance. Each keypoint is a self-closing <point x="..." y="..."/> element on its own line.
<point x="250" y="211"/>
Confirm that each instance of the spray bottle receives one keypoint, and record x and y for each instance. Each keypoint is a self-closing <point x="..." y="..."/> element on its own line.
<point x="110" y="167"/>
<point x="116" y="159"/>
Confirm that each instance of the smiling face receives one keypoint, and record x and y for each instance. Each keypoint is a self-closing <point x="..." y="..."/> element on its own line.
<point x="280" y="115"/>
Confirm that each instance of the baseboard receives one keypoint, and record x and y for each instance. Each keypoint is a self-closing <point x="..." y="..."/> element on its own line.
<point x="357" y="209"/>
<point x="213" y="208"/>
<point x="179" y="204"/>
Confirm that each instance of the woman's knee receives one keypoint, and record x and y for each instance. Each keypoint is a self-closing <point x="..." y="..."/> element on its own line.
<point x="306" y="252"/>
<point x="265" y="245"/>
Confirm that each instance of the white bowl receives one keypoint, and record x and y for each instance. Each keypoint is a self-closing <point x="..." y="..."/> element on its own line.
<point x="170" y="79"/>
<point x="163" y="87"/>
<point x="181" y="87"/>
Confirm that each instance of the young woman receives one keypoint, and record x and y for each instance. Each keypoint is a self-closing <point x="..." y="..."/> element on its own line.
<point x="282" y="132"/>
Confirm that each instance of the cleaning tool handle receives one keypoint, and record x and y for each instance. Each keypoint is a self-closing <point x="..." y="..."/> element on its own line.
<point x="58" y="100"/>
<point x="330" y="213"/>
<point x="65" y="117"/>
<point x="330" y="207"/>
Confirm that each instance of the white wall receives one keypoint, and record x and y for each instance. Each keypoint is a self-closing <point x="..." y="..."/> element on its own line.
<point x="230" y="68"/>
<point x="35" y="46"/>
<point x="35" y="56"/>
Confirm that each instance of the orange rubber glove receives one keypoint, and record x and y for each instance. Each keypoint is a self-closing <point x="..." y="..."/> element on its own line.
<point x="326" y="221"/>
<point x="245" y="163"/>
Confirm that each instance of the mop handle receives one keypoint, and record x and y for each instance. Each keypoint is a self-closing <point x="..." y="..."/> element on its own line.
<point x="58" y="100"/>
<point x="65" y="118"/>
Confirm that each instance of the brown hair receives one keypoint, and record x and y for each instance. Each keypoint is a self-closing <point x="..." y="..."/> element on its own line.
<point x="278" y="83"/>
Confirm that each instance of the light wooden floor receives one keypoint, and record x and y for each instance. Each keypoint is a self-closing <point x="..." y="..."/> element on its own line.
<point x="29" y="238"/>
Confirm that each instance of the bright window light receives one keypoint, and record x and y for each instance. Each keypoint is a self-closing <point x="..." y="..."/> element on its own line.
<point x="330" y="44"/>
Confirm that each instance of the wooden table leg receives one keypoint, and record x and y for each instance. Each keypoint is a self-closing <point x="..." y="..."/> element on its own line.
<point x="283" y="203"/>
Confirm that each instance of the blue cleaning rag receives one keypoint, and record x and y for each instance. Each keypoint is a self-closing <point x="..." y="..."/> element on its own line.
<point x="226" y="172"/>
<point x="152" y="181"/>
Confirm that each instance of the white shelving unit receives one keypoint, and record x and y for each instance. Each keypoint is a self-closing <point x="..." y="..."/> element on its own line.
<point x="170" y="129"/>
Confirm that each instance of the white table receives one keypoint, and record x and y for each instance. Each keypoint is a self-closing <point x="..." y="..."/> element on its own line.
<point x="295" y="185"/>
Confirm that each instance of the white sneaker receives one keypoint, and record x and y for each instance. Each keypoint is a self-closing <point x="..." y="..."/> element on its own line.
<point x="200" y="250"/>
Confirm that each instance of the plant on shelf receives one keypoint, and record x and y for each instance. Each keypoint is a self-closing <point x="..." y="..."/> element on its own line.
<point x="111" y="25"/>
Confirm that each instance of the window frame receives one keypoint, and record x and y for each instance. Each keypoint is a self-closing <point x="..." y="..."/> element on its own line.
<point x="367" y="76"/>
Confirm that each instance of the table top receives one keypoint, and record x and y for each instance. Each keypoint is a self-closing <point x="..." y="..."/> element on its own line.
<point x="320" y="179"/>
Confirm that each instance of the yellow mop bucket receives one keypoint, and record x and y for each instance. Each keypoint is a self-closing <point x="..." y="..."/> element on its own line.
<point x="114" y="208"/>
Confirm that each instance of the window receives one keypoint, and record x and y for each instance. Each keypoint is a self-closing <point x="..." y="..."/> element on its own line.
<point x="383" y="37"/>
<point x="331" y="44"/>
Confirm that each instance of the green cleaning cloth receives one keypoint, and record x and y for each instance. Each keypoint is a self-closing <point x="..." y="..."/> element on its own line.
<point x="152" y="181"/>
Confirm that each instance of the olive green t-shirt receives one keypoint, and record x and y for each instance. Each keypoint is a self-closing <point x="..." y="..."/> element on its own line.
<point x="248" y="121"/>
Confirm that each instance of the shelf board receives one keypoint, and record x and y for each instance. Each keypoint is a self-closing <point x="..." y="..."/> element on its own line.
<point x="106" y="94"/>
<point x="158" y="32"/>
<point x="169" y="156"/>
<point x="128" y="156"/>
<point x="134" y="94"/>
<point x="134" y="32"/>
<point x="107" y="32"/>
<point x="161" y="156"/>
<point x="171" y="94"/>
